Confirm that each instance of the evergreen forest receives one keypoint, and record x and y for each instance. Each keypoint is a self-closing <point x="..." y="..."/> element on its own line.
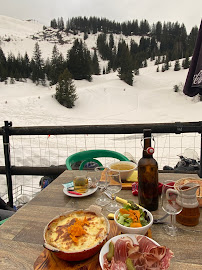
<point x="162" y="42"/>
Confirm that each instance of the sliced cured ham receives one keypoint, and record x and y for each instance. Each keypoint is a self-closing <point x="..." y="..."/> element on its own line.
<point x="145" y="255"/>
<point x="124" y="247"/>
<point x="118" y="265"/>
<point x="161" y="253"/>
<point x="145" y="243"/>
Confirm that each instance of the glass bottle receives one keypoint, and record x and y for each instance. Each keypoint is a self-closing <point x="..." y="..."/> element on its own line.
<point x="148" y="176"/>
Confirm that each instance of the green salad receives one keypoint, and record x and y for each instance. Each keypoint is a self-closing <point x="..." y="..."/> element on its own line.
<point x="132" y="216"/>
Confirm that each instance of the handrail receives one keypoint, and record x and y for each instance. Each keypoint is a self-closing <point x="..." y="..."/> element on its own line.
<point x="176" y="127"/>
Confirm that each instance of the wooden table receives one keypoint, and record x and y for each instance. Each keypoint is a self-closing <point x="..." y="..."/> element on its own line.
<point x="21" y="237"/>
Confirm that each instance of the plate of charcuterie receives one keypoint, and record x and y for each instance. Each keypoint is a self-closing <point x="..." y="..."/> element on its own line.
<point x="131" y="250"/>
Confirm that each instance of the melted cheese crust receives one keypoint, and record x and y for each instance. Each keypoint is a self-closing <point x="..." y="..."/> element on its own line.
<point x="57" y="232"/>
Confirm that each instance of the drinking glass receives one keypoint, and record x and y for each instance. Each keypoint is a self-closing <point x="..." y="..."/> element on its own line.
<point x="171" y="202"/>
<point x="102" y="183"/>
<point x="114" y="186"/>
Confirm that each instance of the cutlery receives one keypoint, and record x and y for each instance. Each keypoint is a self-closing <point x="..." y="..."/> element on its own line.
<point x="160" y="220"/>
<point x="118" y="199"/>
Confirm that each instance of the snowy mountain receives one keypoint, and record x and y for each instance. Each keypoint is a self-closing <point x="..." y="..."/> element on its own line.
<point x="18" y="36"/>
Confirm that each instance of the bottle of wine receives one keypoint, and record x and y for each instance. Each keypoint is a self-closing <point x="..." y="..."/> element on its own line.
<point x="148" y="176"/>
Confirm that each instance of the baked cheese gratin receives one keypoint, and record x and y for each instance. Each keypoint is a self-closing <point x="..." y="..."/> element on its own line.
<point x="76" y="231"/>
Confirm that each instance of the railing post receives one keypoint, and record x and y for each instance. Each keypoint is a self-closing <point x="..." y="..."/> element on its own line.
<point x="200" y="169"/>
<point x="6" y="144"/>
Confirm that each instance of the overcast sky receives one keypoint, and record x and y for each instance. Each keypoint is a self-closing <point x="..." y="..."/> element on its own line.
<point x="188" y="12"/>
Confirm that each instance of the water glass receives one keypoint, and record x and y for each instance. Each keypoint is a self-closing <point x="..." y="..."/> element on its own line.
<point x="114" y="186"/>
<point x="171" y="203"/>
<point x="101" y="181"/>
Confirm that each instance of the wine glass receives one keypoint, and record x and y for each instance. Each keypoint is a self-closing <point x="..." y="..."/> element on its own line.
<point x="114" y="186"/>
<point x="102" y="182"/>
<point x="171" y="202"/>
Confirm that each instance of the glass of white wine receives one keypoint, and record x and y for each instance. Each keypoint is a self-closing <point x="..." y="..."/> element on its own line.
<point x="171" y="203"/>
<point x="114" y="186"/>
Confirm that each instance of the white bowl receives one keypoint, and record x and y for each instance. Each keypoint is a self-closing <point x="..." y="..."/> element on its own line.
<point x="126" y="172"/>
<point x="105" y="248"/>
<point x="139" y="230"/>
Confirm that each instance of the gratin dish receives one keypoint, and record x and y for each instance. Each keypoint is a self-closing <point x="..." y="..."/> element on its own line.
<point x="57" y="239"/>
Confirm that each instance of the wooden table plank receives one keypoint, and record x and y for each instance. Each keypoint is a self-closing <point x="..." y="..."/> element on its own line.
<point x="15" y="255"/>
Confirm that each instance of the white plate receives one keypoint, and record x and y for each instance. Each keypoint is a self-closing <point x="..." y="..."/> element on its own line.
<point x="105" y="248"/>
<point x="89" y="192"/>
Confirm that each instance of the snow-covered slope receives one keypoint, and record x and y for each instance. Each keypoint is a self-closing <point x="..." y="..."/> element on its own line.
<point x="17" y="28"/>
<point x="19" y="36"/>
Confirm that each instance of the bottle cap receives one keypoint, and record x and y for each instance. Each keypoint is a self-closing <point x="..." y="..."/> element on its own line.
<point x="150" y="150"/>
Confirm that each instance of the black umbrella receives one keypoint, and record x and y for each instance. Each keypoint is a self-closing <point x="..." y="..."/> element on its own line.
<point x="193" y="84"/>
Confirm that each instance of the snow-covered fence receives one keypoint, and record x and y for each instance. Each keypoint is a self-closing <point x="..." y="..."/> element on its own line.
<point x="31" y="152"/>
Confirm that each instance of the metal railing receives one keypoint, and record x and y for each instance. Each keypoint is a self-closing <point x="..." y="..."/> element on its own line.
<point x="8" y="130"/>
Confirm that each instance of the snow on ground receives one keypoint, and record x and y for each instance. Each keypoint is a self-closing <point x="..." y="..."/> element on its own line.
<point x="105" y="100"/>
<point x="14" y="28"/>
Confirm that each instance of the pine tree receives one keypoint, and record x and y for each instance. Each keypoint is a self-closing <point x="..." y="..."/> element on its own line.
<point x="111" y="41"/>
<point x="12" y="80"/>
<point x="156" y="62"/>
<point x="186" y="63"/>
<point x="177" y="65"/>
<point x="26" y="66"/>
<point x="3" y="66"/>
<point x="37" y="65"/>
<point x="103" y="47"/>
<point x="85" y="36"/>
<point x="53" y="24"/>
<point x="19" y="68"/>
<point x="65" y="90"/>
<point x="125" y="71"/>
<point x="166" y="64"/>
<point x="145" y="63"/>
<point x="96" y="68"/>
<point x="79" y="61"/>
<point x="163" y="68"/>
<point x="158" y="31"/>
<point x="60" y="23"/>
<point x="56" y="65"/>
<point x="137" y="72"/>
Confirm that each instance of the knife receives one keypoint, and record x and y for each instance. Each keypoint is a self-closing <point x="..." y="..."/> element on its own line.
<point x="118" y="199"/>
